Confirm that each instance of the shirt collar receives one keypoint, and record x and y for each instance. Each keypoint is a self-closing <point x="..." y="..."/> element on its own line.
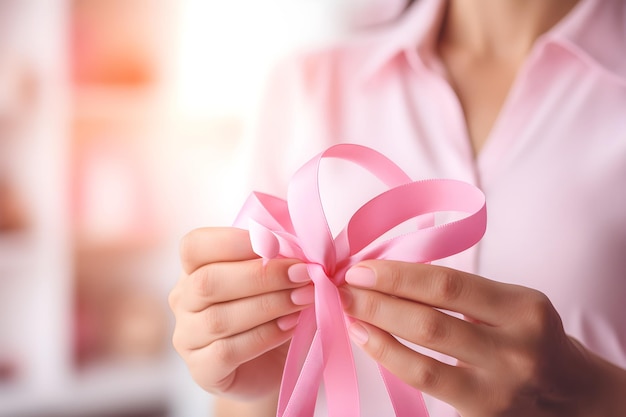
<point x="414" y="34"/>
<point x="594" y="31"/>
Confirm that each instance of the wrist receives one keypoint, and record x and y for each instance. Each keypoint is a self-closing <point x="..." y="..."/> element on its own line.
<point x="611" y="387"/>
<point x="604" y="385"/>
<point x="596" y="386"/>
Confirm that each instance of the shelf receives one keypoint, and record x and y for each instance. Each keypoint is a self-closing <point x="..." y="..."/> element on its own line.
<point x="15" y="252"/>
<point x="105" y="103"/>
<point x="120" y="388"/>
<point x="96" y="115"/>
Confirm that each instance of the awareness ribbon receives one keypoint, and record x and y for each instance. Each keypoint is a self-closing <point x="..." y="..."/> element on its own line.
<point x="297" y="228"/>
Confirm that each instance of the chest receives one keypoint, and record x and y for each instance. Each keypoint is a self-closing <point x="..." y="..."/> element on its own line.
<point x="554" y="172"/>
<point x="482" y="85"/>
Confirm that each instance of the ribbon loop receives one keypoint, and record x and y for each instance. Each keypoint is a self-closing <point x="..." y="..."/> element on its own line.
<point x="297" y="228"/>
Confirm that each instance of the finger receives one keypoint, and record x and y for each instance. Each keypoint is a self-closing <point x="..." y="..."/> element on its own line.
<point x="176" y="293"/>
<point x="220" y="244"/>
<point x="422" y="325"/>
<point x="448" y="383"/>
<point x="226" y="281"/>
<point x="213" y="366"/>
<point x="227" y="319"/>
<point x="477" y="297"/>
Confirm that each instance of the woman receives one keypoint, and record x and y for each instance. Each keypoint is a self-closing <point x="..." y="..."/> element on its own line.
<point x="523" y="98"/>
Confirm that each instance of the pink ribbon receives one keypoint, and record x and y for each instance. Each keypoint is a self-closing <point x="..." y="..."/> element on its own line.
<point x="297" y="228"/>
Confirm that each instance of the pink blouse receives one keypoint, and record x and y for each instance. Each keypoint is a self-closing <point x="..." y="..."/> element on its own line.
<point x="553" y="168"/>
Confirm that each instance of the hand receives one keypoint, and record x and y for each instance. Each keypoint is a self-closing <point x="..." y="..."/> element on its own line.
<point x="514" y="358"/>
<point x="234" y="315"/>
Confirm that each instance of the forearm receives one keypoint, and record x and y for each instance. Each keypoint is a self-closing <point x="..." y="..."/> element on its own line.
<point x="611" y="391"/>
<point x="264" y="407"/>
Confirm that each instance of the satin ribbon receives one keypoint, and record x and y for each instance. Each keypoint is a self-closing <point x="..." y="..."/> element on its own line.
<point x="297" y="228"/>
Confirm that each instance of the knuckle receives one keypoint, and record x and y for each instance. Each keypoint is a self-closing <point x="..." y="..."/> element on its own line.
<point x="447" y="285"/>
<point x="261" y="274"/>
<point x="267" y="305"/>
<point x="260" y="338"/>
<point x="205" y="282"/>
<point x="541" y="314"/>
<point x="396" y="280"/>
<point x="172" y="298"/>
<point x="178" y="342"/>
<point x="186" y="247"/>
<point x="224" y="384"/>
<point x="203" y="370"/>
<point x="381" y="352"/>
<point x="222" y="351"/>
<point x="216" y="321"/>
<point x="432" y="330"/>
<point x="370" y="306"/>
<point x="424" y="376"/>
<point x="523" y="364"/>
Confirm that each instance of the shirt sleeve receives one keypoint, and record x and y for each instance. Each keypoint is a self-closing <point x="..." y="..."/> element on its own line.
<point x="291" y="122"/>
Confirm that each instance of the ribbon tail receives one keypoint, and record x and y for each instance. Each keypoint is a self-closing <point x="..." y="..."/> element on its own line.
<point x="406" y="400"/>
<point x="303" y="370"/>
<point x="340" y="379"/>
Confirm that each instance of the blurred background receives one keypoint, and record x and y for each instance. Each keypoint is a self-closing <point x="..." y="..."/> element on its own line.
<point x="119" y="120"/>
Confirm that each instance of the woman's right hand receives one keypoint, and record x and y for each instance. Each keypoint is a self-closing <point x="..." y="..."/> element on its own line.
<point x="235" y="315"/>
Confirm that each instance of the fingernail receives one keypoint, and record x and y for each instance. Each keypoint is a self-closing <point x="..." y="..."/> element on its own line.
<point x="358" y="333"/>
<point x="346" y="297"/>
<point x="288" y="322"/>
<point x="298" y="273"/>
<point x="361" y="277"/>
<point x="303" y="295"/>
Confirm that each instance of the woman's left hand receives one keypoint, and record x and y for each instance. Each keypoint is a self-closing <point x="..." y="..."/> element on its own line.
<point x="514" y="357"/>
